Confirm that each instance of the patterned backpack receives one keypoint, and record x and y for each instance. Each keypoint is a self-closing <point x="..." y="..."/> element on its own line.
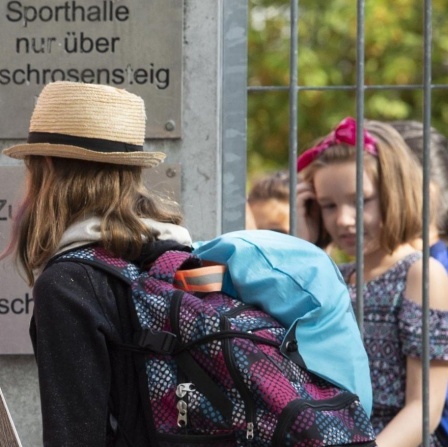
<point x="217" y="372"/>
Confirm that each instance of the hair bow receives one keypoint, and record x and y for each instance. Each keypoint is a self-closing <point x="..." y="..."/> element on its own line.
<point x="344" y="133"/>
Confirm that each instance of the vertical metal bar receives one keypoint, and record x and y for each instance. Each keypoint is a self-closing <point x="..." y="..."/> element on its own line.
<point x="360" y="108"/>
<point x="427" y="79"/>
<point x="234" y="113"/>
<point x="360" y="165"/>
<point x="293" y="101"/>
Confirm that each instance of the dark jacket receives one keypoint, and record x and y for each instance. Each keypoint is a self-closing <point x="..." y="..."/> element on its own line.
<point x="79" y="314"/>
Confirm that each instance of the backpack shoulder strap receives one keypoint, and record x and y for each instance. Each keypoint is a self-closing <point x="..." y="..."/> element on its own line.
<point x="102" y="259"/>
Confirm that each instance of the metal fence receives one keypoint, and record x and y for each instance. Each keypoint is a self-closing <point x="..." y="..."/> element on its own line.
<point x="234" y="181"/>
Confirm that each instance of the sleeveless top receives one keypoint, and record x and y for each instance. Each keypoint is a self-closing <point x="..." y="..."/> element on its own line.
<point x="392" y="332"/>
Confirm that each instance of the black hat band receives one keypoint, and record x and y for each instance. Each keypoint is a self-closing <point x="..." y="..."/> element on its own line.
<point x="94" y="144"/>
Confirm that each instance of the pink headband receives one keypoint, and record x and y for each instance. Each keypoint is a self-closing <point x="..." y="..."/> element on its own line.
<point x="344" y="133"/>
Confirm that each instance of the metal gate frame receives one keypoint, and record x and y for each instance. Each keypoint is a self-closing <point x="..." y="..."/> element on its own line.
<point x="234" y="105"/>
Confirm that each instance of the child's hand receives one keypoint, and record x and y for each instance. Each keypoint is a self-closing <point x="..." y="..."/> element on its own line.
<point x="308" y="212"/>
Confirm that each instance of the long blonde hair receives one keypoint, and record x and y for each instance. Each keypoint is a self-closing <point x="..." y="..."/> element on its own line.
<point x="61" y="191"/>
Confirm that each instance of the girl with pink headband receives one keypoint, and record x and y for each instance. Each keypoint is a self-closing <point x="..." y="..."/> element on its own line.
<point x="393" y="269"/>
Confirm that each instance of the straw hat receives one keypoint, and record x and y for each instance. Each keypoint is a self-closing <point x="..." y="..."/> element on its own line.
<point x="88" y="122"/>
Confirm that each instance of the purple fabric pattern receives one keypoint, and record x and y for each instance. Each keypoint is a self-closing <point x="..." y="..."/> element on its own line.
<point x="392" y="331"/>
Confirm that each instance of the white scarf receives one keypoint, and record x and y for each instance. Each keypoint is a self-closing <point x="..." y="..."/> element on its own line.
<point x="88" y="231"/>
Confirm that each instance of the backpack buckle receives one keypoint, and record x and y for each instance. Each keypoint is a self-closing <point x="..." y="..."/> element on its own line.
<point x="161" y="342"/>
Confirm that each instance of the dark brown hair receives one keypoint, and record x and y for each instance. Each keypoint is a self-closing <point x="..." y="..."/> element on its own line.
<point x="273" y="186"/>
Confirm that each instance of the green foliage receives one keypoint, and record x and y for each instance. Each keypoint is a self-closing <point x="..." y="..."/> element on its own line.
<point x="327" y="51"/>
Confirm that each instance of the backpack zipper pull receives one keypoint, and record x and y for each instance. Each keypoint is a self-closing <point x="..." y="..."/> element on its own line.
<point x="182" y="416"/>
<point x="250" y="431"/>
<point x="184" y="388"/>
<point x="182" y="407"/>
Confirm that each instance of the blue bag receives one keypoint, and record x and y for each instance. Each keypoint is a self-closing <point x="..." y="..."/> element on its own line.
<point x="299" y="285"/>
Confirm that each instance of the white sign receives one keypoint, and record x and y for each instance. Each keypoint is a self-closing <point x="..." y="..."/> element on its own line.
<point x="131" y="44"/>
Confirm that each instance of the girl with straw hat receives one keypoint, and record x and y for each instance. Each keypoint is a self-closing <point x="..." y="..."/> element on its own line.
<point x="84" y="159"/>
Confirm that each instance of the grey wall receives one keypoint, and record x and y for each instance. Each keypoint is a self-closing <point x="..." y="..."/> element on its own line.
<point x="199" y="154"/>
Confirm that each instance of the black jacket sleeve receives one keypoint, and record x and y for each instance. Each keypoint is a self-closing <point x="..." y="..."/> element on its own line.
<point x="74" y="323"/>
